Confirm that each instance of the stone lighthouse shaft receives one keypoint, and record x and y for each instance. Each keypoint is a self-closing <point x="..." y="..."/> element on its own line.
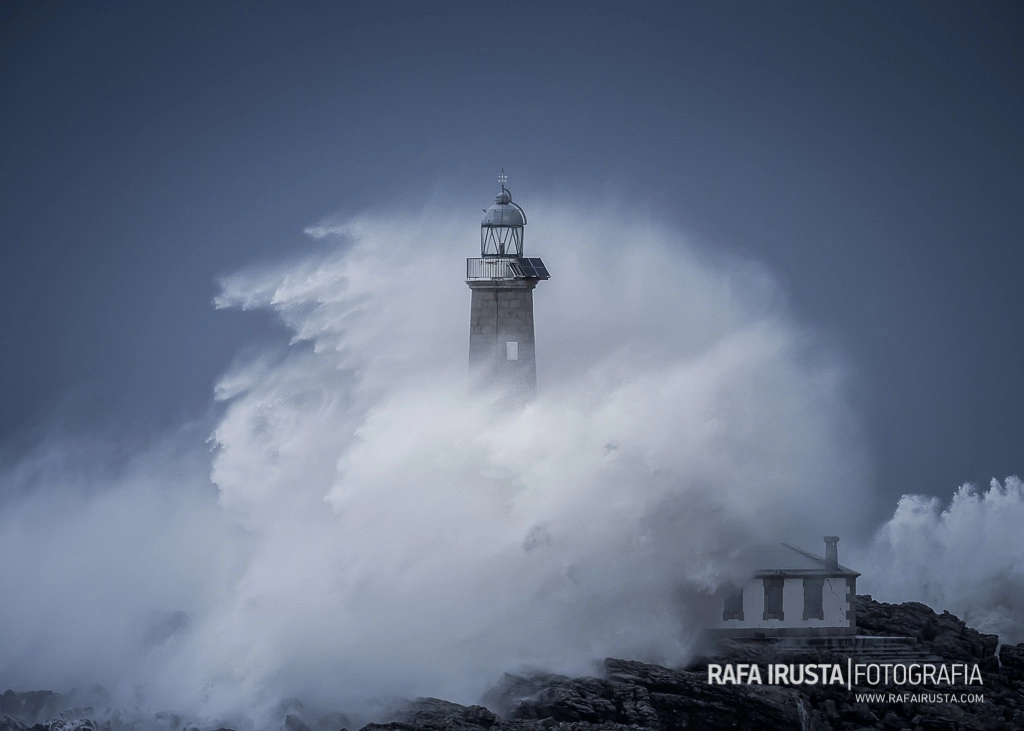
<point x="501" y="337"/>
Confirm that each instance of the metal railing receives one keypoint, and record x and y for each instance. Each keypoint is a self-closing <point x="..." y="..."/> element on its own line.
<point x="493" y="267"/>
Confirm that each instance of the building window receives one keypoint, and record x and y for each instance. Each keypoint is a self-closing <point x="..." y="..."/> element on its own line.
<point x="812" y="599"/>
<point x="511" y="351"/>
<point x="733" y="605"/>
<point x="773" y="598"/>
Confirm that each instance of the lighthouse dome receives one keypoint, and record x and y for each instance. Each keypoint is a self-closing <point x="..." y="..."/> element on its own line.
<point x="504" y="212"/>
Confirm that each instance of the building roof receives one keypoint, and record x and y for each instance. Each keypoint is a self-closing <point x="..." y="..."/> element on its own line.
<point x="783" y="559"/>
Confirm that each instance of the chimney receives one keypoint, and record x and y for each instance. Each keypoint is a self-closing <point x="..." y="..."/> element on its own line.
<point x="831" y="553"/>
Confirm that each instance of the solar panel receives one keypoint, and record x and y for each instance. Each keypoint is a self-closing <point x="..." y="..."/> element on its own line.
<point x="532" y="268"/>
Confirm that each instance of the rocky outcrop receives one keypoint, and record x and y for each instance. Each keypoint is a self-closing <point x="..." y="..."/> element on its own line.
<point x="1011" y="661"/>
<point x="629" y="695"/>
<point x="31" y="706"/>
<point x="9" y="723"/>
<point x="434" y="714"/>
<point x="637" y="696"/>
<point x="634" y="695"/>
<point x="943" y="634"/>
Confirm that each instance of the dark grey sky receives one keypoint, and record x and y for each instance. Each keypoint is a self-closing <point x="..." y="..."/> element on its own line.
<point x="869" y="153"/>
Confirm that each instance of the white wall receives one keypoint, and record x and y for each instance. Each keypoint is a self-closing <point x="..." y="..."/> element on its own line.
<point x="833" y="603"/>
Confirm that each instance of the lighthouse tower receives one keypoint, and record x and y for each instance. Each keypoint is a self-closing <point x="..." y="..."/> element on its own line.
<point x="501" y="344"/>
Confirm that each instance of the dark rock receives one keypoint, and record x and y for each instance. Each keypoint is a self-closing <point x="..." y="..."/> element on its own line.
<point x="1011" y="658"/>
<point x="943" y="634"/>
<point x="32" y="705"/>
<point x="433" y="714"/>
<point x="892" y="722"/>
<point x="294" y="723"/>
<point x="81" y="724"/>
<point x="9" y="723"/>
<point x="625" y="695"/>
<point x="637" y="695"/>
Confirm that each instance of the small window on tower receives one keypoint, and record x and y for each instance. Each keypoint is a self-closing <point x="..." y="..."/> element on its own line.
<point x="511" y="351"/>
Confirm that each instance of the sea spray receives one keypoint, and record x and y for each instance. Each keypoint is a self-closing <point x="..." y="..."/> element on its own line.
<point x="376" y="528"/>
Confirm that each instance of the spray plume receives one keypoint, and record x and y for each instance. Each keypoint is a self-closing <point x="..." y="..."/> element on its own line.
<point x="377" y="527"/>
<point x="966" y="556"/>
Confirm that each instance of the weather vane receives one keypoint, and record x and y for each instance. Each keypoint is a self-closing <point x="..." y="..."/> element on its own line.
<point x="503" y="178"/>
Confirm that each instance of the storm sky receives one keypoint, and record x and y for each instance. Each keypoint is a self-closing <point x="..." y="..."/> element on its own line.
<point x="868" y="154"/>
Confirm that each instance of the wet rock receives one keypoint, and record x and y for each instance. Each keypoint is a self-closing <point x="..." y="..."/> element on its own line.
<point x="294" y="723"/>
<point x="637" y="695"/>
<point x="32" y="706"/>
<point x="9" y="723"/>
<point x="1011" y="658"/>
<point x="626" y="695"/>
<point x="81" y="724"/>
<point x="943" y="634"/>
<point x="434" y="714"/>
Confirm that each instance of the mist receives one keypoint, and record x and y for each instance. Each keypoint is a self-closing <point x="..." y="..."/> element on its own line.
<point x="365" y="524"/>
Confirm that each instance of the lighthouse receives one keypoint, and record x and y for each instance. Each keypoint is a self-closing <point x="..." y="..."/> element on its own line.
<point x="501" y="340"/>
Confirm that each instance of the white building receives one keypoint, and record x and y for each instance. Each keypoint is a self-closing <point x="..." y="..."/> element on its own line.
<point x="794" y="593"/>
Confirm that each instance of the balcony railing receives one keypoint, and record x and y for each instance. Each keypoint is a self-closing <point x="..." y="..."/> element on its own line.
<point x="506" y="267"/>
